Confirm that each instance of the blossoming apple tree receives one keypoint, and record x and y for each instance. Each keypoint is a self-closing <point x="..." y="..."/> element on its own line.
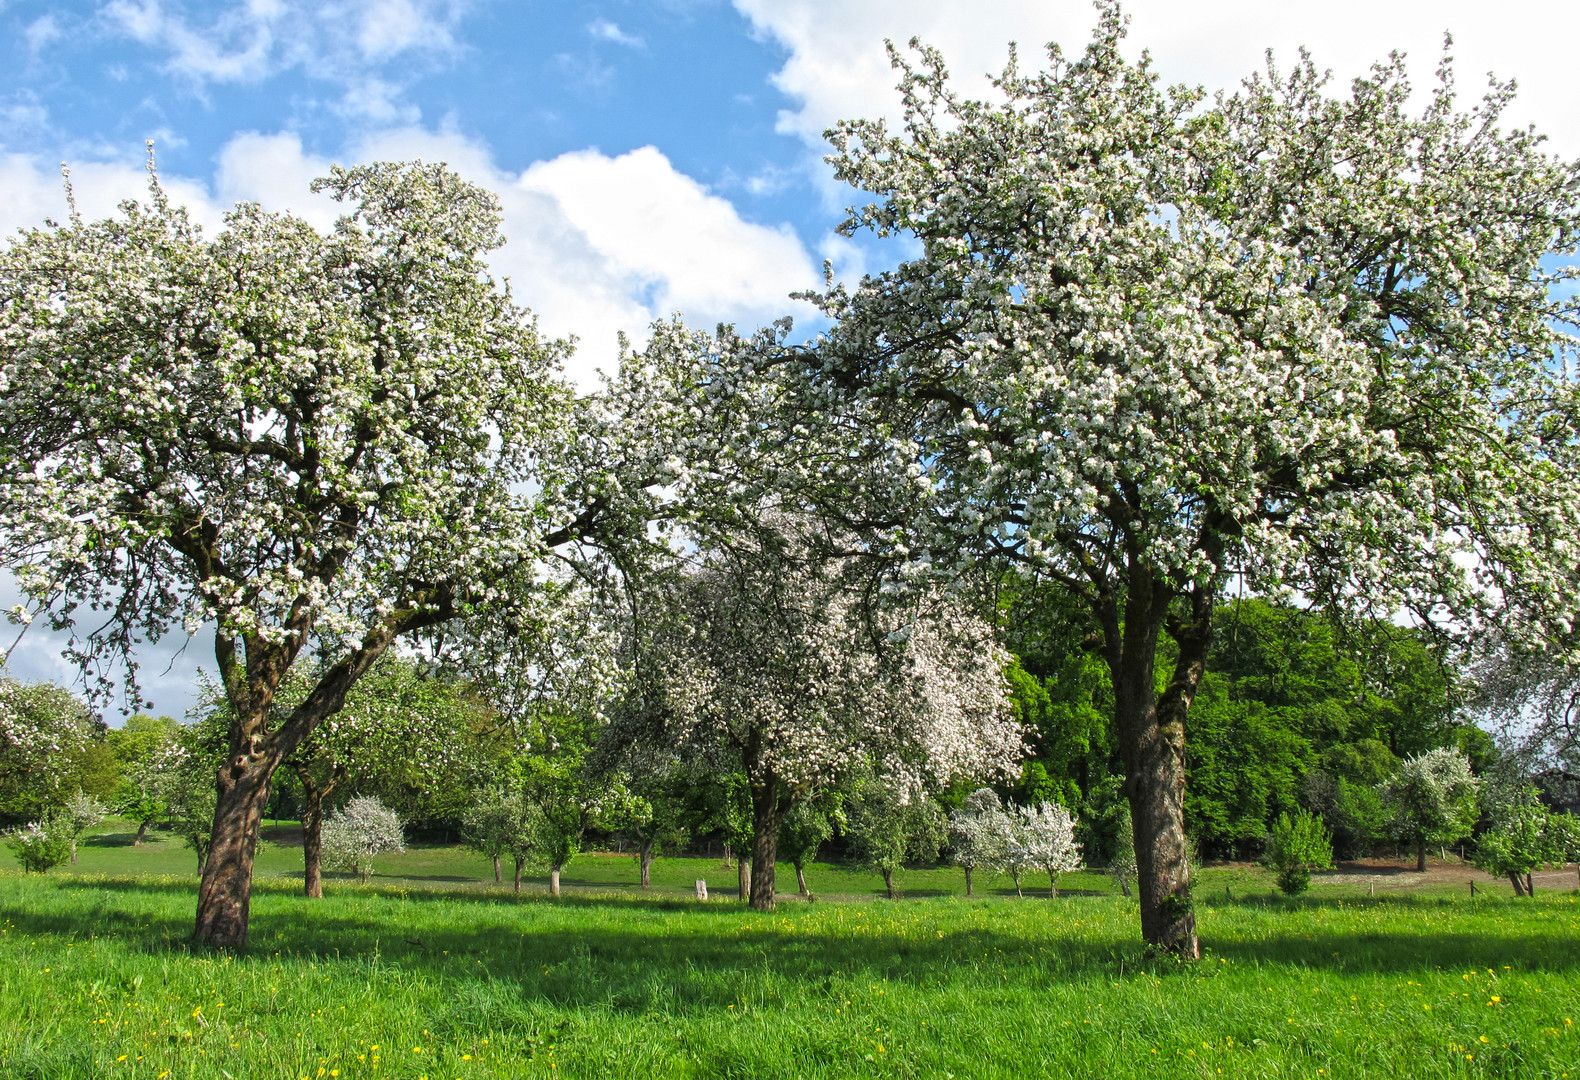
<point x="777" y="663"/>
<point x="317" y="443"/>
<point x="1155" y="346"/>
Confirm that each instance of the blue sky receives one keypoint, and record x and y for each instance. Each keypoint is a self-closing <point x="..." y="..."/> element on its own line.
<point x="650" y="156"/>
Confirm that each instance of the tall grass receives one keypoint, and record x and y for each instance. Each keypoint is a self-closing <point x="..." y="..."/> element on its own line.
<point x="95" y="980"/>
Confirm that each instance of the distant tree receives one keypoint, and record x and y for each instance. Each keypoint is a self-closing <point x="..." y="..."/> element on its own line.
<point x="1296" y="845"/>
<point x="487" y="825"/>
<point x="780" y="661"/>
<point x="50" y="746"/>
<point x="183" y="777"/>
<point x="979" y="834"/>
<point x="1043" y="838"/>
<point x="885" y="831"/>
<point x="1432" y="800"/>
<point x="1524" y="836"/>
<point x="360" y="831"/>
<point x="1564" y="832"/>
<point x="79" y="813"/>
<point x="804" y="829"/>
<point x="136" y="745"/>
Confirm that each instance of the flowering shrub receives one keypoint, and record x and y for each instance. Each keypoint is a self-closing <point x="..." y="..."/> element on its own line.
<point x="1043" y="838"/>
<point x="364" y="828"/>
<point x="39" y="846"/>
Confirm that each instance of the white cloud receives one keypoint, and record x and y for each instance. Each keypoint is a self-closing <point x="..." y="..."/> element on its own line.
<point x="837" y="69"/>
<point x="604" y="30"/>
<point x="40" y="32"/>
<point x="596" y="245"/>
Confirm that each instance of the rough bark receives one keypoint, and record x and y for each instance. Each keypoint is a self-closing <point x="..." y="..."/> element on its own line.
<point x="800" y="880"/>
<point x="242" y="782"/>
<point x="1152" y="736"/>
<point x="770" y="803"/>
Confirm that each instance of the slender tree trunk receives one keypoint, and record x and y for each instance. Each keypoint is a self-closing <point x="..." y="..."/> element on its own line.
<point x="888" y="882"/>
<point x="644" y="859"/>
<point x="1152" y="736"/>
<point x="1519" y="886"/>
<point x="521" y="862"/>
<point x="1420" y="854"/>
<point x="554" y="880"/>
<point x="968" y="881"/>
<point x="142" y="831"/>
<point x="497" y="878"/>
<point x="1014" y="875"/>
<point x="202" y="860"/>
<point x="1053" y="885"/>
<point x="314" y="795"/>
<point x="743" y="877"/>
<point x="800" y="880"/>
<point x="73" y="851"/>
<point x="1530" y="885"/>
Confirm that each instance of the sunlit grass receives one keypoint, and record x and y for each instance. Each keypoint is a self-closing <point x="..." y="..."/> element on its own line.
<point x="430" y="982"/>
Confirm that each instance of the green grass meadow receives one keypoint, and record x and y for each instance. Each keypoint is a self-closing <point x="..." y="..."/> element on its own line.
<point x="429" y="976"/>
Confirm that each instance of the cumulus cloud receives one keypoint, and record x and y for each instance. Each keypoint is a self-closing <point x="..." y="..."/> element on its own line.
<point x="596" y="245"/>
<point x="604" y="30"/>
<point x="836" y="66"/>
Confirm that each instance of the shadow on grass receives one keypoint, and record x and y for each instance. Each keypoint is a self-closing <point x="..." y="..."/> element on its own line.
<point x="501" y="951"/>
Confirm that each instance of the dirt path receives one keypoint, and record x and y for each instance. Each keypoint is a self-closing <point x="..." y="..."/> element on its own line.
<point x="1402" y="874"/>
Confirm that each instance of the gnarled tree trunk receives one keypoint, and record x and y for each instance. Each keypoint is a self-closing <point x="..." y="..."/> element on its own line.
<point x="1152" y="737"/>
<point x="225" y="894"/>
<point x="770" y="803"/>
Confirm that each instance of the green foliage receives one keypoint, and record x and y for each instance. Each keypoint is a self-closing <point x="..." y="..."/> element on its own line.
<point x="1122" y="860"/>
<point x="1433" y="798"/>
<point x="809" y="823"/>
<point x="50" y="746"/>
<point x="40" y="846"/>
<point x="1523" y="837"/>
<point x="1297" y="845"/>
<point x="885" y="833"/>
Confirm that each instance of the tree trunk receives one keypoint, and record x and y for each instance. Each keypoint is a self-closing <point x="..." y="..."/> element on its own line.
<point x="521" y="862"/>
<point x="314" y="795"/>
<point x="73" y="851"/>
<point x="1420" y="854"/>
<point x="225" y="895"/>
<point x="968" y="881"/>
<point x="554" y="881"/>
<point x="1530" y="885"/>
<point x="142" y="831"/>
<point x="1152" y="736"/>
<point x="1053" y="886"/>
<point x="1014" y="875"/>
<point x="644" y="859"/>
<point x="1519" y="886"/>
<point x="800" y="880"/>
<point x="888" y="881"/>
<point x="743" y="878"/>
<point x="497" y="878"/>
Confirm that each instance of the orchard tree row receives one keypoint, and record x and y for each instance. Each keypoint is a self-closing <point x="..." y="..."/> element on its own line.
<point x="1154" y="352"/>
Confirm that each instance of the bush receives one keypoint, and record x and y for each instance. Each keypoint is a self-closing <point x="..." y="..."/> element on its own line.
<point x="363" y="829"/>
<point x="1295" y="847"/>
<point x="39" y="846"/>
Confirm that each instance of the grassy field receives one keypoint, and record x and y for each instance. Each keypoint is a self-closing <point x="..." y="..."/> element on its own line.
<point x="439" y="978"/>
